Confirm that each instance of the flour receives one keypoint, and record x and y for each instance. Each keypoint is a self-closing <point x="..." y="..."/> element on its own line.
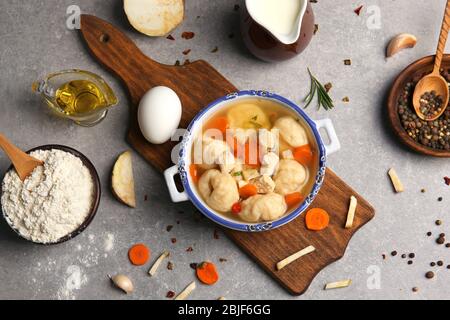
<point x="109" y="242"/>
<point x="53" y="201"/>
<point x="73" y="283"/>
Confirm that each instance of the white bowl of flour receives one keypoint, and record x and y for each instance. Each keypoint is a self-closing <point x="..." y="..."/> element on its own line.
<point x="57" y="201"/>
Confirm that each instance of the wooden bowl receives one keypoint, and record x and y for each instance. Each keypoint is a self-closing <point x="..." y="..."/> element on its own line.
<point x="95" y="202"/>
<point x="424" y="65"/>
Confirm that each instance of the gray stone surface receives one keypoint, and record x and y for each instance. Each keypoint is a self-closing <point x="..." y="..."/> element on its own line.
<point x="35" y="41"/>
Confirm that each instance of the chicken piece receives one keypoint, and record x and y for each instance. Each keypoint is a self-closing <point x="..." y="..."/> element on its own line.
<point x="236" y="172"/>
<point x="292" y="131"/>
<point x="290" y="177"/>
<point x="269" y="164"/>
<point x="268" y="140"/>
<point x="264" y="184"/>
<point x="219" y="190"/>
<point x="226" y="161"/>
<point x="217" y="153"/>
<point x="250" y="174"/>
<point x="267" y="207"/>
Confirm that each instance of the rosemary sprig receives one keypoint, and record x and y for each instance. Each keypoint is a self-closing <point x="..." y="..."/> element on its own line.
<point x="323" y="99"/>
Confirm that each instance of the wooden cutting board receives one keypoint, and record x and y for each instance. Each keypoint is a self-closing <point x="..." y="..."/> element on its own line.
<point x="198" y="84"/>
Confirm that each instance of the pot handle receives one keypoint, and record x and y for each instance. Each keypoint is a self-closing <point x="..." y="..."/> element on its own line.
<point x="176" y="196"/>
<point x="327" y="125"/>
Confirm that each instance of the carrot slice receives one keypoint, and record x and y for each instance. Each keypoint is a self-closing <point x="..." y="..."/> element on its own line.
<point x="250" y="157"/>
<point x="207" y="273"/>
<point x="248" y="191"/>
<point x="293" y="199"/>
<point x="219" y="123"/>
<point x="317" y="219"/>
<point x="304" y="154"/>
<point x="139" y="254"/>
<point x="193" y="170"/>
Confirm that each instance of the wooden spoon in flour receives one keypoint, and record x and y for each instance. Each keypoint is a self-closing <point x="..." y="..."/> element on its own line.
<point x="24" y="163"/>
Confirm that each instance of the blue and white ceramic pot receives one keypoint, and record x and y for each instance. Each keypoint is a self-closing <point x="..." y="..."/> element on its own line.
<point x="185" y="158"/>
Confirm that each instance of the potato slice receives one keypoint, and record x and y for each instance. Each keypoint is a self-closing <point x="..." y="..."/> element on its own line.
<point x="123" y="180"/>
<point x="154" y="18"/>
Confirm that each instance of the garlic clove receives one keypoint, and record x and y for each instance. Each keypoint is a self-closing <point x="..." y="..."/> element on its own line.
<point x="123" y="283"/>
<point x="400" y="42"/>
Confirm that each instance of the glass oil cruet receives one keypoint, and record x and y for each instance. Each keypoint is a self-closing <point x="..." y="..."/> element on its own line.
<point x="78" y="95"/>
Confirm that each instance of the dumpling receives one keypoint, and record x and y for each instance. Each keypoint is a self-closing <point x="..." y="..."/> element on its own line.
<point x="290" y="177"/>
<point x="248" y="116"/>
<point x="219" y="190"/>
<point x="291" y="131"/>
<point x="267" y="207"/>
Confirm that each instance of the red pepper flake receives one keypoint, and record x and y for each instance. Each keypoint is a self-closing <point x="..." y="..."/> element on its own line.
<point x="169" y="228"/>
<point x="186" y="62"/>
<point x="193" y="266"/>
<point x="188" y="35"/>
<point x="174" y="240"/>
<point x="215" y="50"/>
<point x="216" y="234"/>
<point x="236" y="7"/>
<point x="447" y="181"/>
<point x="170" y="295"/>
<point x="358" y="10"/>
<point x="187" y="51"/>
<point x="328" y="86"/>
<point x="170" y="37"/>
<point x="190" y="249"/>
<point x="223" y="260"/>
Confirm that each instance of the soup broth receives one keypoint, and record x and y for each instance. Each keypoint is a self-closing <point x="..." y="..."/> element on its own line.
<point x="254" y="161"/>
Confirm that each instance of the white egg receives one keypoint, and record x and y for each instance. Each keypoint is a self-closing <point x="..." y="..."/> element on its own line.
<point x="159" y="114"/>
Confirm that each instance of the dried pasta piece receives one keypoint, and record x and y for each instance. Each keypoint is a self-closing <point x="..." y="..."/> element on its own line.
<point x="351" y="212"/>
<point x="338" y="285"/>
<point x="157" y="263"/>
<point x="295" y="256"/>
<point x="398" y="186"/>
<point x="186" y="292"/>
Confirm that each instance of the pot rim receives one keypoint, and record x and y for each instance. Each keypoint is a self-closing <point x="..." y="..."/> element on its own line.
<point x="219" y="218"/>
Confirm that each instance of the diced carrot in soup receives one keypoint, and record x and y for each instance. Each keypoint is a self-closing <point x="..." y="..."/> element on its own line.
<point x="219" y="123"/>
<point x="304" y="155"/>
<point x="293" y="199"/>
<point x="194" y="172"/>
<point x="248" y="191"/>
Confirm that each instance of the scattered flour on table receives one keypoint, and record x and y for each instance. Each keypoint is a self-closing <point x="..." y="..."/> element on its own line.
<point x="53" y="201"/>
<point x="109" y="242"/>
<point x="75" y="280"/>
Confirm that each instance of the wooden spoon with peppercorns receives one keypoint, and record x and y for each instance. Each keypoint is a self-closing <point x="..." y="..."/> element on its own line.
<point x="431" y="94"/>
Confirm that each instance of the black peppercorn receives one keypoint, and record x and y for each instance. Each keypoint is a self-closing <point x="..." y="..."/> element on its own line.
<point x="393" y="253"/>
<point x="429" y="275"/>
